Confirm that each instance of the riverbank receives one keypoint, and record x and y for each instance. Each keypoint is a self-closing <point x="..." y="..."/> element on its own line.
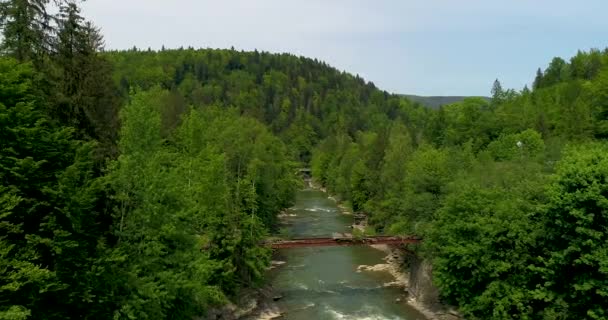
<point x="311" y="283"/>
<point x="249" y="302"/>
<point x="397" y="264"/>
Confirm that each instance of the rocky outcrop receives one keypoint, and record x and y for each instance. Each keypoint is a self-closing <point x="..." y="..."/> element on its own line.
<point x="421" y="281"/>
<point x="423" y="294"/>
<point x="252" y="302"/>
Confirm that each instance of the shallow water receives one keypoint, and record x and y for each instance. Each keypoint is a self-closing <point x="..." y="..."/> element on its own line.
<point x="323" y="282"/>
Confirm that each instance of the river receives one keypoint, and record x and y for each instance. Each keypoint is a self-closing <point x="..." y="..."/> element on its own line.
<point x="323" y="282"/>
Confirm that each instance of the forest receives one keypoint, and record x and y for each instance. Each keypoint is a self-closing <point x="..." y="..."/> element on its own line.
<point x="140" y="184"/>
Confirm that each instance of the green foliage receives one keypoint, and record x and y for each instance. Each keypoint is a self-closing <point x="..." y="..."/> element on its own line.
<point x="498" y="93"/>
<point x="82" y="92"/>
<point x="392" y="176"/>
<point x="467" y="120"/>
<point x="515" y="229"/>
<point x="75" y="81"/>
<point x="160" y="261"/>
<point x="575" y="266"/>
<point x="163" y="218"/>
<point x="48" y="198"/>
<point x="599" y="102"/>
<point x="301" y="100"/>
<point x="26" y="34"/>
<point x="482" y="240"/>
<point x="505" y="246"/>
<point x="207" y="181"/>
<point x="525" y="145"/>
<point x="427" y="173"/>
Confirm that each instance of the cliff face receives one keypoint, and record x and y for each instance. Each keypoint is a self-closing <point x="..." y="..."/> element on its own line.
<point x="424" y="296"/>
<point x="421" y="281"/>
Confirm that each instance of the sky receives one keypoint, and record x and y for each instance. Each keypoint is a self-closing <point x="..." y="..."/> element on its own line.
<point x="424" y="47"/>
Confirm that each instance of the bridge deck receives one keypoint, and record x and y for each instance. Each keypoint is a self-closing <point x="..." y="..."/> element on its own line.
<point x="340" y="241"/>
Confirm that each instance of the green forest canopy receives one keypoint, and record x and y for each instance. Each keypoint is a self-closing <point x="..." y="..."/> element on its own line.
<point x="140" y="184"/>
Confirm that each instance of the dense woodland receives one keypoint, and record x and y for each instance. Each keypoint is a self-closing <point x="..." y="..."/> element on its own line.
<point x="139" y="184"/>
<point x="121" y="202"/>
<point x="510" y="196"/>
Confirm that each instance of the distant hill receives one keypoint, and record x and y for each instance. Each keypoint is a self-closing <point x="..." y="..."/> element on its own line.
<point x="437" y="101"/>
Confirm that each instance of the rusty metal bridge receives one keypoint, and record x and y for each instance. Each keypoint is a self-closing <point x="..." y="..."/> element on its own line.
<point x="342" y="240"/>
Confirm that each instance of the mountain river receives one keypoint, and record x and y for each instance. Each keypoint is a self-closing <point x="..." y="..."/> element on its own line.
<point x="324" y="282"/>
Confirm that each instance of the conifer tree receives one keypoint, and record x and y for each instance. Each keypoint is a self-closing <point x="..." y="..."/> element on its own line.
<point x="84" y="95"/>
<point x="27" y="29"/>
<point x="498" y="94"/>
<point x="538" y="80"/>
<point x="48" y="220"/>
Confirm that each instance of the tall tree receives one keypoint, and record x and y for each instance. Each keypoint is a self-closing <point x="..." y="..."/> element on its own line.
<point x="576" y="267"/>
<point x="159" y="269"/>
<point x="392" y="175"/>
<point x="84" y="95"/>
<point x="498" y="93"/>
<point x="48" y="221"/>
<point x="482" y="241"/>
<point x="26" y="28"/>
<point x="555" y="72"/>
<point x="538" y="80"/>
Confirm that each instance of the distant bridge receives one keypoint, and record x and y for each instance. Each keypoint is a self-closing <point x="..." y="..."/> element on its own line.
<point x="342" y="240"/>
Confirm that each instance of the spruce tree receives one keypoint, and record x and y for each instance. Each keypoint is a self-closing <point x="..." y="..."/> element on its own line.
<point x="85" y="96"/>
<point x="538" y="80"/>
<point x="26" y="28"/>
<point x="498" y="94"/>
<point x="48" y="216"/>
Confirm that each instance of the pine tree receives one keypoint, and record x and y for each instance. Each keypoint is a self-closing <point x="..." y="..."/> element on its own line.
<point x="47" y="220"/>
<point x="85" y="96"/>
<point x="26" y="28"/>
<point x="538" y="80"/>
<point x="498" y="94"/>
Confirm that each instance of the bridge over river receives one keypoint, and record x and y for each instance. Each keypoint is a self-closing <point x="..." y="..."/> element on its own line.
<point x="340" y="240"/>
<point x="322" y="277"/>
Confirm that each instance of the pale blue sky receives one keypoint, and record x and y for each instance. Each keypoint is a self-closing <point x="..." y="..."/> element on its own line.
<point x="426" y="47"/>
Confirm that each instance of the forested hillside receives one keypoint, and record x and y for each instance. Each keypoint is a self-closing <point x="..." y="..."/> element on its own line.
<point x="300" y="99"/>
<point x="139" y="184"/>
<point x="510" y="195"/>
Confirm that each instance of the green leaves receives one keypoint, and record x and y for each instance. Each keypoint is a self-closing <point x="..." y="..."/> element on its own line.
<point x="155" y="225"/>
<point x="524" y="145"/>
<point x="48" y="201"/>
<point x="482" y="241"/>
<point x="506" y="246"/>
<point x="506" y="242"/>
<point x="576" y="226"/>
<point x="193" y="207"/>
<point x="15" y="313"/>
<point x="26" y="33"/>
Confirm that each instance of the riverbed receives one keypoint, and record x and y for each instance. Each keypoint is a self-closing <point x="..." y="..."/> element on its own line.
<point x="324" y="282"/>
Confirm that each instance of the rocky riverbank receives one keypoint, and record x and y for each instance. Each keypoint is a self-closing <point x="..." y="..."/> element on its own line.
<point x="397" y="262"/>
<point x="250" y="302"/>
